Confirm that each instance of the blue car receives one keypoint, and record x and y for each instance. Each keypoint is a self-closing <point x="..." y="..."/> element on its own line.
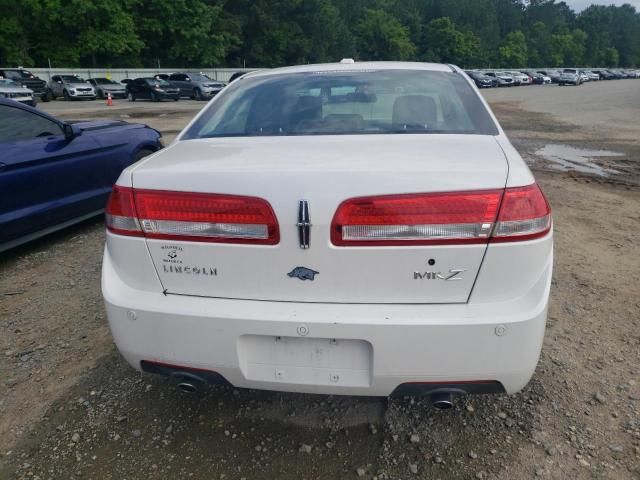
<point x="54" y="174"/>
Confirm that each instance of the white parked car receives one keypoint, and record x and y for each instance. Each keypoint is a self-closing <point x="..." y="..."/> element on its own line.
<point x="349" y="228"/>
<point x="520" y="78"/>
<point x="570" y="76"/>
<point x="17" y="92"/>
<point x="593" y="77"/>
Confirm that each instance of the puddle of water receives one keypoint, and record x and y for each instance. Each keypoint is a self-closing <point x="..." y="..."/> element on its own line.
<point x="564" y="157"/>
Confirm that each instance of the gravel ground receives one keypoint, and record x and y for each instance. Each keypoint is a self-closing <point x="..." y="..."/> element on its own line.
<point x="71" y="408"/>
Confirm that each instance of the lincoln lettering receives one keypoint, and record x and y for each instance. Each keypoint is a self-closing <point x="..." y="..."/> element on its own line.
<point x="207" y="271"/>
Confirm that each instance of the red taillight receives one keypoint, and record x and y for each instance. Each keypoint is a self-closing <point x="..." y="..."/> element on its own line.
<point x="417" y="219"/>
<point x="200" y="217"/>
<point x="442" y="218"/>
<point x="121" y="213"/>
<point x="524" y="215"/>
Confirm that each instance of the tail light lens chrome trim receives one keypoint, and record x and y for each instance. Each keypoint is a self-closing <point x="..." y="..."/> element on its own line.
<point x="468" y="217"/>
<point x="121" y="213"/>
<point x="524" y="214"/>
<point x="199" y="217"/>
<point x="417" y="219"/>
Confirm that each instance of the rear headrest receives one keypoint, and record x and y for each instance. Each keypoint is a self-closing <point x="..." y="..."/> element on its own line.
<point x="307" y="108"/>
<point x="414" y="111"/>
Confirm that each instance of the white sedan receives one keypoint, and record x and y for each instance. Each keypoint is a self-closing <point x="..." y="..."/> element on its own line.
<point x="349" y="228"/>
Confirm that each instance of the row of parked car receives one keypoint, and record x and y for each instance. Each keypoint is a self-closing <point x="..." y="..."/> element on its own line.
<point x="566" y="76"/>
<point x="23" y="86"/>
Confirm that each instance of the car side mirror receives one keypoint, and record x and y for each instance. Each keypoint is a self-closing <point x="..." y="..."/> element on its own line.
<point x="71" y="131"/>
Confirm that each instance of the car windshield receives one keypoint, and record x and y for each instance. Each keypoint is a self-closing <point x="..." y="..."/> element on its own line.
<point x="158" y="81"/>
<point x="104" y="81"/>
<point x="345" y="102"/>
<point x="15" y="74"/>
<point x="5" y="82"/>
<point x="72" y="79"/>
<point x="199" y="77"/>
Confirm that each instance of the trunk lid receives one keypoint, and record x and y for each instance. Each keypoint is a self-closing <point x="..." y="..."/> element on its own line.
<point x="324" y="171"/>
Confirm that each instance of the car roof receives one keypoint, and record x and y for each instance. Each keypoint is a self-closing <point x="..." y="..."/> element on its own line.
<point x="353" y="67"/>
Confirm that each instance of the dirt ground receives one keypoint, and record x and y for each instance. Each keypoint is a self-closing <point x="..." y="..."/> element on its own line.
<point x="71" y="408"/>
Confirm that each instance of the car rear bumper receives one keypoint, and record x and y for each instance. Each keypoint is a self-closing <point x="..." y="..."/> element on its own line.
<point x="351" y="349"/>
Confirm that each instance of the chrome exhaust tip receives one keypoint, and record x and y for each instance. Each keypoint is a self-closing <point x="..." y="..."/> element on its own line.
<point x="187" y="387"/>
<point x="188" y="382"/>
<point x="442" y="400"/>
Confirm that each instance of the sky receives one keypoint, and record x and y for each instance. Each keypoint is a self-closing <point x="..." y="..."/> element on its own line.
<point x="579" y="5"/>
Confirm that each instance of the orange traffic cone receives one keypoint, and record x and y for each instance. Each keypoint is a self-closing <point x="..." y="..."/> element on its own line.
<point x="109" y="100"/>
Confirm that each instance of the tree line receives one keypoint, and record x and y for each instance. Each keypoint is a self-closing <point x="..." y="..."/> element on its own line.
<point x="269" y="33"/>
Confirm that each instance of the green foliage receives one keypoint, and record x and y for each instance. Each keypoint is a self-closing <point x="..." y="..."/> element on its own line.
<point x="380" y="36"/>
<point x="513" y="52"/>
<point x="443" y="42"/>
<point x="611" y="57"/>
<point x="267" y="33"/>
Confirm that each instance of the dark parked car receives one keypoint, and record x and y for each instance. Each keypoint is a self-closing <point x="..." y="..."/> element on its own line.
<point x="604" y="74"/>
<point x="481" y="80"/>
<point x="195" y="85"/>
<point x="54" y="173"/>
<point x="27" y="79"/>
<point x="153" y="89"/>
<point x="554" y="75"/>
<point x="536" y="78"/>
<point x="237" y="75"/>
<point x="105" y="86"/>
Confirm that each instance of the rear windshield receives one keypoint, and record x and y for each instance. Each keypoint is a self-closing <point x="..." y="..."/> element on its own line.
<point x="345" y="102"/>
<point x="18" y="74"/>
